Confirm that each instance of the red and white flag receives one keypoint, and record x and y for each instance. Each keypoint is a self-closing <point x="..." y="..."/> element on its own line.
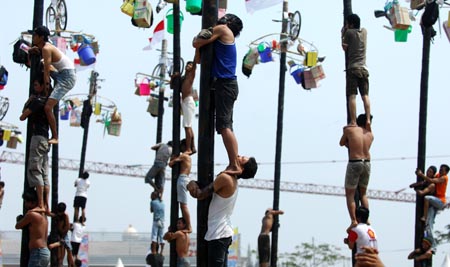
<point x="254" y="5"/>
<point x="158" y="36"/>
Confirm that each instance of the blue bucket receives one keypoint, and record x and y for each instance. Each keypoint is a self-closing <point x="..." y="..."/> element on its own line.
<point x="265" y="52"/>
<point x="86" y="54"/>
<point x="64" y="114"/>
<point x="296" y="73"/>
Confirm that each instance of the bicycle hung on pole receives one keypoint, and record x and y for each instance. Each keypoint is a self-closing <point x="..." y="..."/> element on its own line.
<point x="56" y="15"/>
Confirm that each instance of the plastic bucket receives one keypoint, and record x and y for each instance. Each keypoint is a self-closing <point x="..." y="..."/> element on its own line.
<point x="402" y="35"/>
<point x="193" y="6"/>
<point x="265" y="53"/>
<point x="144" y="87"/>
<point x="63" y="114"/>
<point x="86" y="54"/>
<point x="296" y="71"/>
<point x="169" y="17"/>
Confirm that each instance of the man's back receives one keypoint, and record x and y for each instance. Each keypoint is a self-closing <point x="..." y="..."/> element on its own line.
<point x="358" y="141"/>
<point x="38" y="230"/>
<point x="182" y="243"/>
<point x="356" y="39"/>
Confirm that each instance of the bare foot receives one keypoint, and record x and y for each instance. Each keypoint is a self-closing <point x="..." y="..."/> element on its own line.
<point x="193" y="150"/>
<point x="422" y="219"/>
<point x="368" y="126"/>
<point x="53" y="141"/>
<point x="189" y="152"/>
<point x="233" y="170"/>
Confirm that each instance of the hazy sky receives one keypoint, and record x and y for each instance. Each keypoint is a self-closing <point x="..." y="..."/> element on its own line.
<point x="313" y="122"/>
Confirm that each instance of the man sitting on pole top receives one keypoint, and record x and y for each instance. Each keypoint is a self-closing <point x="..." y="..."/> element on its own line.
<point x="225" y="83"/>
<point x="59" y="67"/>
<point x="358" y="140"/>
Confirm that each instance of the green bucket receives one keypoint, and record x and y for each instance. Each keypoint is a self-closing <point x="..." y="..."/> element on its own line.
<point x="193" y="6"/>
<point x="169" y="17"/>
<point x="402" y="35"/>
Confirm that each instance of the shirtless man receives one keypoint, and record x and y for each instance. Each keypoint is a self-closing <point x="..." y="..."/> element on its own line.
<point x="264" y="237"/>
<point x="64" y="76"/>
<point x="38" y="226"/>
<point x="182" y="194"/>
<point x="358" y="140"/>
<point x="188" y="106"/>
<point x="182" y="242"/>
<point x="63" y="226"/>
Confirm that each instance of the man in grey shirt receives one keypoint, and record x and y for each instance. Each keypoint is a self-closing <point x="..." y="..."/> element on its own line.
<point x="158" y="170"/>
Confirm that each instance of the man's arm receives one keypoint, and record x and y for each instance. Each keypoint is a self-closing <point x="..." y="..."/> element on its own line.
<point x="218" y="31"/>
<point x="275" y="212"/>
<point x="47" y="57"/>
<point x="27" y="112"/>
<point x="176" y="159"/>
<point x="427" y="255"/>
<point x="413" y="253"/>
<point x="23" y="221"/>
<point x="343" y="141"/>
<point x="66" y="224"/>
<point x="169" y="236"/>
<point x="155" y="147"/>
<point x="369" y="257"/>
<point x="198" y="193"/>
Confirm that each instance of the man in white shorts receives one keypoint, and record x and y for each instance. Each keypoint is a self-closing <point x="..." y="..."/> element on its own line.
<point x="188" y="106"/>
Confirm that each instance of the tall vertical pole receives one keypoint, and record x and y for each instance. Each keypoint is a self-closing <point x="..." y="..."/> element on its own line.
<point x="38" y="17"/>
<point x="279" y="138"/>
<point x="162" y="88"/>
<point x="421" y="152"/>
<point x="85" y="119"/>
<point x="205" y="160"/>
<point x="175" y="125"/>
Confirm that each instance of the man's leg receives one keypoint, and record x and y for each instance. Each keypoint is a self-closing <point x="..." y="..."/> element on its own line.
<point x="189" y="140"/>
<point x="366" y="101"/>
<point x="186" y="215"/>
<point x="352" y="109"/>
<point x="218" y="252"/>
<point x="231" y="145"/>
<point x="427" y="190"/>
<point x="426" y="204"/>
<point x="51" y="119"/>
<point x="153" y="247"/>
<point x="351" y="205"/>
<point x="363" y="196"/>
<point x="76" y="214"/>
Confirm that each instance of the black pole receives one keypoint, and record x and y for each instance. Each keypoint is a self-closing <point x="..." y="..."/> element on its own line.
<point x="421" y="152"/>
<point x="38" y="17"/>
<point x="279" y="138"/>
<point x="175" y="126"/>
<point x="205" y="160"/>
<point x="85" y="119"/>
<point x="159" y="126"/>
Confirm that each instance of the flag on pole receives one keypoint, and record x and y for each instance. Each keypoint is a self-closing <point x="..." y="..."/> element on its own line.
<point x="158" y="36"/>
<point x="254" y="5"/>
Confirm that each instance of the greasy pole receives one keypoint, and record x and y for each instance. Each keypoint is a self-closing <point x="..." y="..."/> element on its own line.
<point x="175" y="125"/>
<point x="279" y="137"/>
<point x="347" y="11"/>
<point x="205" y="160"/>
<point x="162" y="74"/>
<point x="38" y="17"/>
<point x="421" y="151"/>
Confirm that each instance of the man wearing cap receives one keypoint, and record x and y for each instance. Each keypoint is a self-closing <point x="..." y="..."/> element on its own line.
<point x="358" y="140"/>
<point x="59" y="67"/>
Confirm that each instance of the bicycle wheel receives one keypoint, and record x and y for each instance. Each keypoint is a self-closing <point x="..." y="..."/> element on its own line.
<point x="4" y="107"/>
<point x="50" y="18"/>
<point x="62" y="11"/>
<point x="296" y="24"/>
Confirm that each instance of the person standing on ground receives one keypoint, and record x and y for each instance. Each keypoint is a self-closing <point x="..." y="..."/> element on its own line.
<point x="358" y="140"/>
<point x="225" y="82"/>
<point x="362" y="235"/>
<point x="37" y="173"/>
<point x="354" y="43"/>
<point x="183" y="179"/>
<point x="82" y="184"/>
<point x="78" y="228"/>
<point x="64" y="76"/>
<point x="157" y="208"/>
<point x="63" y="227"/>
<point x="38" y="227"/>
<point x="158" y="170"/>
<point x="224" y="191"/>
<point x="181" y="236"/>
<point x="264" y="237"/>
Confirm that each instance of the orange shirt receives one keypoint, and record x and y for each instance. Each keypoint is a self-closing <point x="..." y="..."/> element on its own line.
<point x="441" y="189"/>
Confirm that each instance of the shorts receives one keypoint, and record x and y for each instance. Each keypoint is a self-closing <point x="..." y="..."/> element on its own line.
<point x="38" y="161"/>
<point x="157" y="231"/>
<point x="226" y="94"/>
<point x="183" y="262"/>
<point x="188" y="108"/>
<point x="39" y="257"/>
<point x="67" y="243"/>
<point x="75" y="248"/>
<point x="264" y="248"/>
<point x="357" y="78"/>
<point x="64" y="82"/>
<point x="358" y="174"/>
<point x="157" y="172"/>
<point x="79" y="202"/>
<point x="182" y="192"/>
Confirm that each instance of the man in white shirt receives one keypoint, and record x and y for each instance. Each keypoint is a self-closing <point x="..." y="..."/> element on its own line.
<point x="82" y="184"/>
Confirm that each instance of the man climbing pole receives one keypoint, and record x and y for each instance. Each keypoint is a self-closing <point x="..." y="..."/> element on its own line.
<point x="358" y="140"/>
<point x="156" y="176"/>
<point x="264" y="237"/>
<point x="354" y="43"/>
